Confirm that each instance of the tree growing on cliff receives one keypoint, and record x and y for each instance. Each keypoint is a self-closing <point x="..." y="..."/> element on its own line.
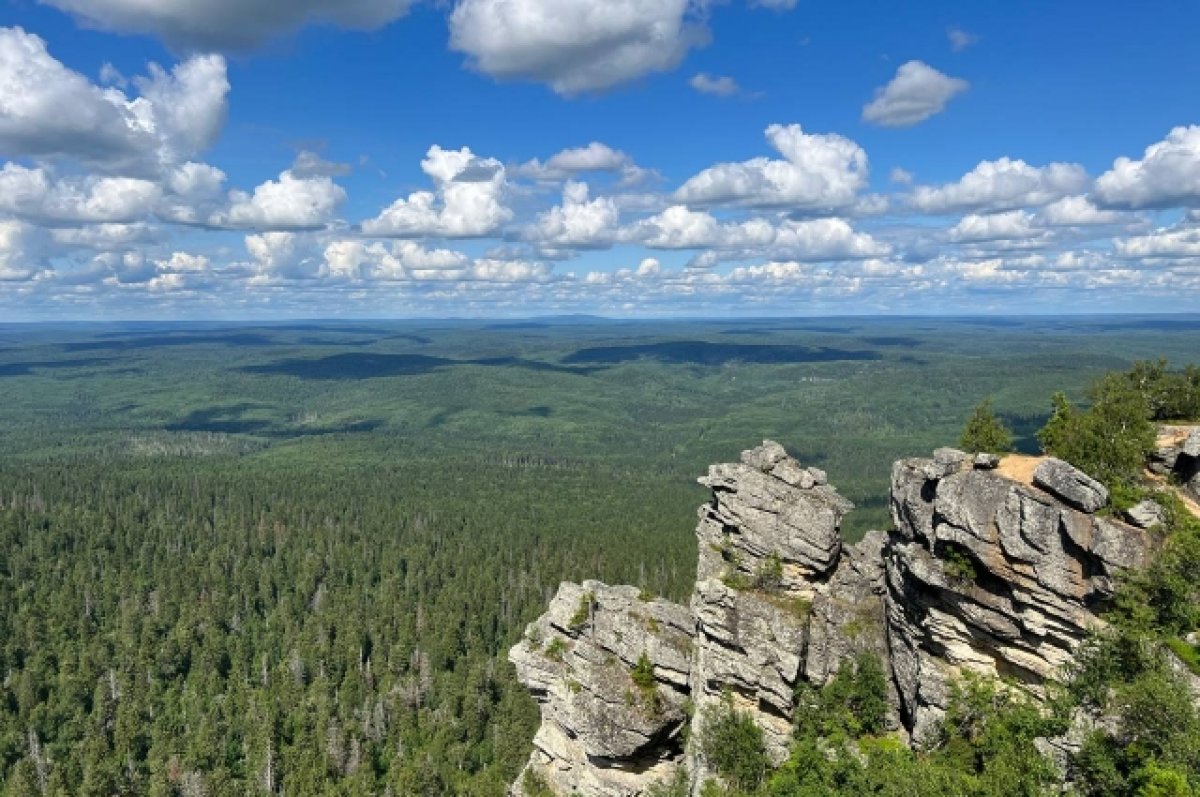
<point x="1109" y="440"/>
<point x="985" y="432"/>
<point x="732" y="743"/>
<point x="1170" y="394"/>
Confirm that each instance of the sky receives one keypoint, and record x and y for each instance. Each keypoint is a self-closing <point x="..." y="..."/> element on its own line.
<point x="256" y="159"/>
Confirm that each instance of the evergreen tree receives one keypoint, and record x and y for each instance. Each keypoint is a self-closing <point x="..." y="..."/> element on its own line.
<point x="985" y="432"/>
<point x="1111" y="439"/>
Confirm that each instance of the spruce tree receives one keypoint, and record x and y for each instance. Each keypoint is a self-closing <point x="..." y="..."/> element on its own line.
<point x="985" y="432"/>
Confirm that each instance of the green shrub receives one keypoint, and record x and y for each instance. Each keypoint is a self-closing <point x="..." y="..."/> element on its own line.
<point x="958" y="566"/>
<point x="1110" y="440"/>
<point x="732" y="743"/>
<point x="555" y="650"/>
<point x="985" y="432"/>
<point x="583" y="613"/>
<point x="854" y="703"/>
<point x="643" y="672"/>
<point x="676" y="786"/>
<point x="769" y="576"/>
<point x="534" y="784"/>
<point x="1170" y="395"/>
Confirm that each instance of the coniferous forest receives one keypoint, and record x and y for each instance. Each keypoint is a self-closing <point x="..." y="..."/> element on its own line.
<point x="290" y="559"/>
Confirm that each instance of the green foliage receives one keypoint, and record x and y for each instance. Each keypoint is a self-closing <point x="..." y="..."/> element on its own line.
<point x="1165" y="597"/>
<point x="851" y="705"/>
<point x="555" y="650"/>
<point x="1157" y="780"/>
<point x="643" y="673"/>
<point x="1156" y="740"/>
<point x="732" y="744"/>
<point x="676" y="786"/>
<point x="1126" y="673"/>
<point x="583" y="612"/>
<point x="534" y="784"/>
<point x="985" y="432"/>
<point x="1170" y="395"/>
<point x="1186" y="652"/>
<point x="1110" y="440"/>
<point x="958" y="565"/>
<point x="984" y="748"/>
<point x="769" y="575"/>
<point x="1060" y="426"/>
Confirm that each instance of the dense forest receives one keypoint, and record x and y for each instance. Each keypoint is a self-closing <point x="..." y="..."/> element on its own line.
<point x="290" y="560"/>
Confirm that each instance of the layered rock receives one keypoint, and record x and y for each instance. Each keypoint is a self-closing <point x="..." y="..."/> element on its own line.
<point x="983" y="571"/>
<point x="1178" y="457"/>
<point x="988" y="574"/>
<point x="610" y="672"/>
<point x="768" y="542"/>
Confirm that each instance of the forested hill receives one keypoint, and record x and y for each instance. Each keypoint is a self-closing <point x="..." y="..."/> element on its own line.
<point x="290" y="559"/>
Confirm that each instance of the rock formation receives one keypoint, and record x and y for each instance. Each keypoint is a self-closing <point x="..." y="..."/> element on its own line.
<point x="611" y="673"/>
<point x="981" y="571"/>
<point x="768" y="542"/>
<point x="986" y="573"/>
<point x="1178" y="457"/>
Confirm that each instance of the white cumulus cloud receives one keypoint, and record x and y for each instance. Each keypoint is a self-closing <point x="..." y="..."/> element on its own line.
<point x="1167" y="175"/>
<point x="595" y="157"/>
<point x="721" y="86"/>
<point x="467" y="201"/>
<point x="22" y="251"/>
<point x="289" y="203"/>
<point x="38" y="196"/>
<point x="1182" y="241"/>
<point x="1011" y="225"/>
<point x="1073" y="211"/>
<point x="917" y="92"/>
<point x="48" y="110"/>
<point x="578" y="222"/>
<point x="228" y="24"/>
<point x="574" y="46"/>
<point x="679" y="227"/>
<point x="1003" y="184"/>
<point x="818" y="171"/>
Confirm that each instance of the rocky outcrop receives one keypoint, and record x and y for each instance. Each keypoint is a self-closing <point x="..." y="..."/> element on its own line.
<point x="1070" y="484"/>
<point x="768" y="542"/>
<point x="991" y="575"/>
<point x="1178" y="457"/>
<point x="611" y="673"/>
<point x="980" y="572"/>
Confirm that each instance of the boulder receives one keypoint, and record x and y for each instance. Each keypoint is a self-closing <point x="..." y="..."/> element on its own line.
<point x="986" y="574"/>
<point x="986" y="461"/>
<point x="1191" y="446"/>
<point x="1145" y="514"/>
<point x="1072" y="485"/>
<point x="769" y="540"/>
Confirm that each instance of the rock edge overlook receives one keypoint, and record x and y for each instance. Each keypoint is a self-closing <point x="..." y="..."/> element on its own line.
<point x="979" y="573"/>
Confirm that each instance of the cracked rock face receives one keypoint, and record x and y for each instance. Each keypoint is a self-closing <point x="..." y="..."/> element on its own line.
<point x="768" y="542"/>
<point x="1181" y="462"/>
<point x="606" y="732"/>
<point x="980" y="573"/>
<point x="995" y="576"/>
<point x="778" y="598"/>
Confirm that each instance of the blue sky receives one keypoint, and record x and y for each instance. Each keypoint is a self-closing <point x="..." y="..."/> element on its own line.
<point x="276" y="158"/>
